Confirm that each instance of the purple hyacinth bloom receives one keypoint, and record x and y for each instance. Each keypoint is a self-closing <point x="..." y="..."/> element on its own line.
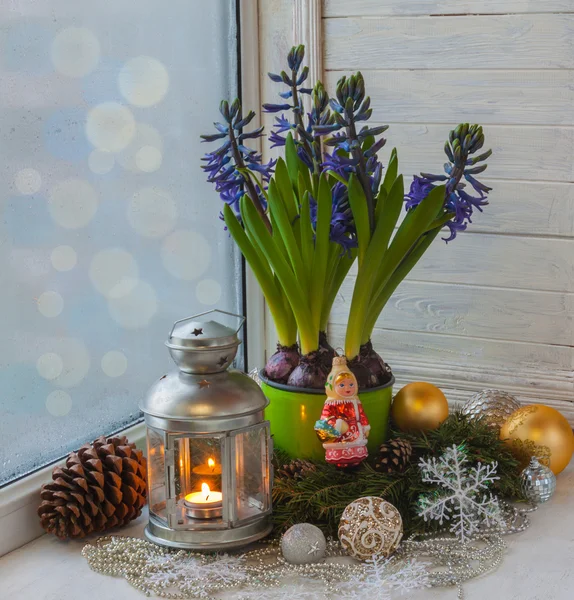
<point x="463" y="142"/>
<point x="305" y="138"/>
<point x="225" y="166"/>
<point x="420" y="189"/>
<point x="342" y="230"/>
<point x="282" y="125"/>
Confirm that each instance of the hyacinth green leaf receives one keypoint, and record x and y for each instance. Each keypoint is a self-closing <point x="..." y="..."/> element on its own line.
<point x="441" y="221"/>
<point x="404" y="268"/>
<point x="418" y="220"/>
<point x="289" y="282"/>
<point x="321" y="254"/>
<point x="254" y="241"/>
<point x="337" y="177"/>
<point x="333" y="261"/>
<point x="360" y="211"/>
<point x="367" y="276"/>
<point x="306" y="233"/>
<point x="295" y="166"/>
<point x="380" y="204"/>
<point x="292" y="159"/>
<point x="391" y="210"/>
<point x="302" y="186"/>
<point x="260" y="267"/>
<point x="367" y="142"/>
<point x="391" y="171"/>
<point x="414" y="225"/>
<point x="275" y="233"/>
<point x="342" y="266"/>
<point x="285" y="189"/>
<point x="287" y="233"/>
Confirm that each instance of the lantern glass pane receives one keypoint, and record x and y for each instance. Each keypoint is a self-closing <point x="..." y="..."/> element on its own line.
<point x="252" y="472"/>
<point x="156" y="473"/>
<point x="197" y="463"/>
<point x="197" y="492"/>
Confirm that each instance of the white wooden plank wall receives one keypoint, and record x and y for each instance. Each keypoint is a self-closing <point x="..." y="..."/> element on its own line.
<point x="495" y="307"/>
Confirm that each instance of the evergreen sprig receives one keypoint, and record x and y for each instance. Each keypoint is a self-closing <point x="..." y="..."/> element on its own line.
<point x="322" y="495"/>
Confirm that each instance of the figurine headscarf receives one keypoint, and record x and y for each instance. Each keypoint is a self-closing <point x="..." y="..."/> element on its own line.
<point x="339" y="372"/>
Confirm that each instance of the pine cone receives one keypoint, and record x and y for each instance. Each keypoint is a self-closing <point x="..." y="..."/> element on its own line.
<point x="103" y="485"/>
<point x="394" y="456"/>
<point x="296" y="469"/>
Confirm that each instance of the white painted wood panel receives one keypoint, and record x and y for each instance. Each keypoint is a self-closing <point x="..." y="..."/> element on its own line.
<point x="364" y="8"/>
<point x="532" y="153"/>
<point x="535" y="372"/>
<point x="500" y="261"/>
<point x="496" y="313"/>
<point x="530" y="97"/>
<point x="482" y="42"/>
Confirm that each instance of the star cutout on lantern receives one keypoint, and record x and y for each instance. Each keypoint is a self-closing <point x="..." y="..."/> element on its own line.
<point x="197" y="332"/>
<point x="314" y="549"/>
<point x="204" y="384"/>
<point x="222" y="361"/>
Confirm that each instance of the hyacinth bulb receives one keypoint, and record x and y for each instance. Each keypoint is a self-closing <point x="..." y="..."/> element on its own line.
<point x="375" y="364"/>
<point x="365" y="378"/>
<point x="326" y="351"/>
<point x="309" y="373"/>
<point x="281" y="364"/>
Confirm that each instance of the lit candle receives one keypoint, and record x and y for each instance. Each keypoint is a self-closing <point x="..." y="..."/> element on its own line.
<point x="206" y="504"/>
<point x="209" y="469"/>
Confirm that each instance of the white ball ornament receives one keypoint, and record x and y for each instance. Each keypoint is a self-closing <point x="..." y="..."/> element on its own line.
<point x="370" y="526"/>
<point x="303" y="543"/>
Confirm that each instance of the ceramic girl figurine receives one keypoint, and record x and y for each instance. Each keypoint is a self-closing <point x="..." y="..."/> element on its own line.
<point x="343" y="427"/>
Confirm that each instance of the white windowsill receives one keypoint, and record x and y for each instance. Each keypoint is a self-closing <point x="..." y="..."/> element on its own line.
<point x="19" y="523"/>
<point x="537" y="564"/>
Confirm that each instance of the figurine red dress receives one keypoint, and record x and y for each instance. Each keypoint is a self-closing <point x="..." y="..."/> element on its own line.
<point x="343" y="427"/>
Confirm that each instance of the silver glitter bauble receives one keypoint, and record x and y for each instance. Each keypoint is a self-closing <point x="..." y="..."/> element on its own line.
<point x="538" y="482"/>
<point x="493" y="406"/>
<point x="370" y="526"/>
<point x="303" y="543"/>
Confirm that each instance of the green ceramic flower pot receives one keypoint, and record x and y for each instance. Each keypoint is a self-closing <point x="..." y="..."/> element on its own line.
<point x="293" y="411"/>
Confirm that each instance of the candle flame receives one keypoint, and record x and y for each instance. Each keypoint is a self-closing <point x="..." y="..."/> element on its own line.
<point x="210" y="462"/>
<point x="205" y="490"/>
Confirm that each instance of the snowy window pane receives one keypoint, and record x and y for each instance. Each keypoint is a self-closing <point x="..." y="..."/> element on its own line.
<point x="109" y="231"/>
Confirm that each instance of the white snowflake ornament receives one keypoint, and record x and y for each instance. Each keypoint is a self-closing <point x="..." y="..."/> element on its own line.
<point x="463" y="500"/>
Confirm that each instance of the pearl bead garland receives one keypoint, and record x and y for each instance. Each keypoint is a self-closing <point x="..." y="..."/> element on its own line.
<point x="146" y="566"/>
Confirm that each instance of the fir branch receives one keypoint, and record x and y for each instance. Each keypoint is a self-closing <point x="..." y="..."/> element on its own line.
<point x="321" y="496"/>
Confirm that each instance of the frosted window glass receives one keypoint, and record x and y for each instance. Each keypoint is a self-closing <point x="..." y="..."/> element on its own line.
<point x="108" y="231"/>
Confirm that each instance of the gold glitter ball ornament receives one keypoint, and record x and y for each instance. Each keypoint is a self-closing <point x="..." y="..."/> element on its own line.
<point x="542" y="430"/>
<point x="419" y="406"/>
<point x="493" y="406"/>
<point x="370" y="526"/>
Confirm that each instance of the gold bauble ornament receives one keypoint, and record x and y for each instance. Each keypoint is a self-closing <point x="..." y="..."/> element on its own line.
<point x="370" y="526"/>
<point x="419" y="406"/>
<point x="541" y="431"/>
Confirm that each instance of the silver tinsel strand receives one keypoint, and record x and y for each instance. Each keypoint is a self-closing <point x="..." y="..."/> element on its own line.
<point x="147" y="567"/>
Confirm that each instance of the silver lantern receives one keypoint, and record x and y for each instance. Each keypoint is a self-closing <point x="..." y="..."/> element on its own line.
<point x="209" y="479"/>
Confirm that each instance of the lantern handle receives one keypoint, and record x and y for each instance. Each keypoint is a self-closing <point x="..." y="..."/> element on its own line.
<point x="208" y="312"/>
